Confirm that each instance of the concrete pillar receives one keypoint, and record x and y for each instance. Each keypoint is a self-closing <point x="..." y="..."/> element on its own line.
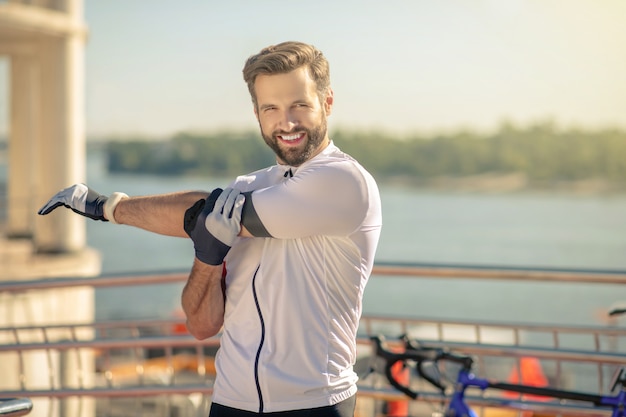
<point x="61" y="145"/>
<point x="73" y="8"/>
<point x="24" y="85"/>
<point x="46" y="153"/>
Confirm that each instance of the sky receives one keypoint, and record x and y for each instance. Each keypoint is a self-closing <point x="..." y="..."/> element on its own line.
<point x="158" y="67"/>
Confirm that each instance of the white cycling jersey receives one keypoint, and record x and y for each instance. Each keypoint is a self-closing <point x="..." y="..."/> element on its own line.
<point x="293" y="292"/>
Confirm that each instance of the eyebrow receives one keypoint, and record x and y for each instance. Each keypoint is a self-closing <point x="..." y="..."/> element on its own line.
<point x="300" y="100"/>
<point x="265" y="106"/>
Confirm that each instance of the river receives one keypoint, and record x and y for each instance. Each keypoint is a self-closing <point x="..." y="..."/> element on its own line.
<point x="527" y="229"/>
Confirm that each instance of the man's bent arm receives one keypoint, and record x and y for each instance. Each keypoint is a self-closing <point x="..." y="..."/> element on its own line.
<point x="203" y="300"/>
<point x="162" y="213"/>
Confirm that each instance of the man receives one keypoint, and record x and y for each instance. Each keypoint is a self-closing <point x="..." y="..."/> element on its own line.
<point x="295" y="243"/>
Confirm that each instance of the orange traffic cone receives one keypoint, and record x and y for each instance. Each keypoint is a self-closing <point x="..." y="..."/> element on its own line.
<point x="399" y="408"/>
<point x="531" y="374"/>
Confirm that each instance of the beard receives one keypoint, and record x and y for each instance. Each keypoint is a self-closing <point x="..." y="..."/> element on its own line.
<point x="296" y="156"/>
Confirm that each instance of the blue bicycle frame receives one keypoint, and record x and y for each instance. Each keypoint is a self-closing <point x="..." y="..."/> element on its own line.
<point x="457" y="401"/>
<point x="466" y="379"/>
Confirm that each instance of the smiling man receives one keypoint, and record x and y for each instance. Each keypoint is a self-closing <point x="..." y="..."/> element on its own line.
<point x="282" y="255"/>
<point x="292" y="114"/>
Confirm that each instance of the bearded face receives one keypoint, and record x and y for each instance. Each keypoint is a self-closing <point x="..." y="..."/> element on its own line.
<point x="292" y="118"/>
<point x="309" y="142"/>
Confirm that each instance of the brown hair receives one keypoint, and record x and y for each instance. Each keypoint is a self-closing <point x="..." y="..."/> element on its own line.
<point x="286" y="57"/>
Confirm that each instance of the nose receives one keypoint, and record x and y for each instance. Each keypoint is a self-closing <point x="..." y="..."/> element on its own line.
<point x="287" y="122"/>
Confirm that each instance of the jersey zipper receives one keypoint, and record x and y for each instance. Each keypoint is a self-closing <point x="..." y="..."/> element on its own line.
<point x="258" y="352"/>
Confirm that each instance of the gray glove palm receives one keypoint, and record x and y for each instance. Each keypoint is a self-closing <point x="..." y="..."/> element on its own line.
<point x="213" y="224"/>
<point x="84" y="201"/>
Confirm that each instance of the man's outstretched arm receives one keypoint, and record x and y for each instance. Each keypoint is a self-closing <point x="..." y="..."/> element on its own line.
<point x="211" y="221"/>
<point x="162" y="213"/>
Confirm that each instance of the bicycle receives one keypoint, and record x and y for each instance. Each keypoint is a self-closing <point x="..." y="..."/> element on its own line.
<point x="465" y="378"/>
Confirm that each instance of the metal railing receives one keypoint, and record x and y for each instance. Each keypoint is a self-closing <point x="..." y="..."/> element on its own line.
<point x="15" y="407"/>
<point x="408" y="270"/>
<point x="137" y="360"/>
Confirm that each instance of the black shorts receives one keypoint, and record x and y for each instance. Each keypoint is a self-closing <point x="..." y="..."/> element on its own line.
<point x="344" y="408"/>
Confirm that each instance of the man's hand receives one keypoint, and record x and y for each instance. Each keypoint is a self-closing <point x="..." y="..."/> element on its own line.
<point x="84" y="201"/>
<point x="213" y="224"/>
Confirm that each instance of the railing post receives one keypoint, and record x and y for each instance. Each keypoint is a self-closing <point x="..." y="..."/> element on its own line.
<point x="75" y="369"/>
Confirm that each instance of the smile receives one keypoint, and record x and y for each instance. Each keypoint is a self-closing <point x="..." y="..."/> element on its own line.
<point x="290" y="138"/>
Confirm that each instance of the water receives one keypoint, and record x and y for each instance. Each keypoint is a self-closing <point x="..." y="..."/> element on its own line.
<point x="522" y="229"/>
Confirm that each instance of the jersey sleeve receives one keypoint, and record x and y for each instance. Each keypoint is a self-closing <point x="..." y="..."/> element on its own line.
<point x="328" y="199"/>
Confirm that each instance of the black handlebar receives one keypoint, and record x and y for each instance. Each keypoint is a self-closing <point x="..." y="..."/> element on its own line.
<point x="421" y="355"/>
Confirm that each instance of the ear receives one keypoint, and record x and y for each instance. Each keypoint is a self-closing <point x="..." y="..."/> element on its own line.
<point x="328" y="103"/>
<point x="256" y="112"/>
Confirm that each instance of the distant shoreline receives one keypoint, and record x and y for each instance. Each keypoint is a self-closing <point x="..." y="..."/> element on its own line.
<point x="508" y="183"/>
<point x="489" y="183"/>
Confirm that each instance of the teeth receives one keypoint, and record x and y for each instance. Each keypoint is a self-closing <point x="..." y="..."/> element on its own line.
<point x="290" y="137"/>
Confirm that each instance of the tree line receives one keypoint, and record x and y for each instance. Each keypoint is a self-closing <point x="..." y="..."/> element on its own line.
<point x="541" y="152"/>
